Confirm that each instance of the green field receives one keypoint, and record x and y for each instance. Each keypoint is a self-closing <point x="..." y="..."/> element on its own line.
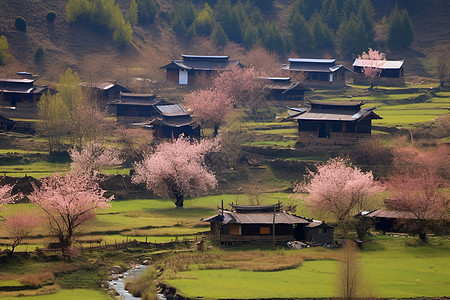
<point x="66" y="294"/>
<point x="398" y="272"/>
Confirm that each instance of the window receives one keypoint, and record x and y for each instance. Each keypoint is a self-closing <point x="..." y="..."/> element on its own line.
<point x="264" y="230"/>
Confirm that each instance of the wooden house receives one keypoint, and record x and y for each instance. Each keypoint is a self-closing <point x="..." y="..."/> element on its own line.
<point x="268" y="223"/>
<point x="173" y="120"/>
<point x="23" y="90"/>
<point x="318" y="72"/>
<point x="333" y="124"/>
<point x="5" y="123"/>
<point x="186" y="71"/>
<point x="104" y="91"/>
<point x="165" y="118"/>
<point x="392" y="73"/>
<point x="283" y="89"/>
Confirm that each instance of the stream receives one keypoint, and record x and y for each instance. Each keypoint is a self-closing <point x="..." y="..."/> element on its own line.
<point x="119" y="283"/>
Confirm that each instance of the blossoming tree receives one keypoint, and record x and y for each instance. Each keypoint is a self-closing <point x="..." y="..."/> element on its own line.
<point x="177" y="169"/>
<point x="417" y="186"/>
<point x="92" y="157"/>
<point x="5" y="195"/>
<point x="210" y="107"/>
<point x="68" y="202"/>
<point x="339" y="188"/>
<point x="19" y="225"/>
<point x="372" y="62"/>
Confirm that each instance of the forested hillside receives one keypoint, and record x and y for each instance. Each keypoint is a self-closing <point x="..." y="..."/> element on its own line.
<point x="147" y="33"/>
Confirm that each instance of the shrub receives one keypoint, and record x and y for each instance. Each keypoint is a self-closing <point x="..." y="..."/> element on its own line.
<point x="51" y="16"/>
<point x="3" y="50"/>
<point x="21" y="24"/>
<point x="37" y="279"/>
<point x="39" y="54"/>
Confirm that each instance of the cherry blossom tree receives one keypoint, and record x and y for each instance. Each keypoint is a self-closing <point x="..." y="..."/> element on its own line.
<point x="5" y="195"/>
<point x="210" y="107"/>
<point x="339" y="188"/>
<point x="177" y="169"/>
<point x="133" y="141"/>
<point x="19" y="225"/>
<point x="92" y="157"/>
<point x="372" y="62"/>
<point x="68" y="202"/>
<point x="244" y="86"/>
<point x="417" y="187"/>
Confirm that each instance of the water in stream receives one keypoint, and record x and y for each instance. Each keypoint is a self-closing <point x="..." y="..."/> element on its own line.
<point x="119" y="284"/>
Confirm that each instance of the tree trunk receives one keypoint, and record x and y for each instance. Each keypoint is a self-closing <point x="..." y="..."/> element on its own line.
<point x="216" y="130"/>
<point x="179" y="199"/>
<point x="423" y="236"/>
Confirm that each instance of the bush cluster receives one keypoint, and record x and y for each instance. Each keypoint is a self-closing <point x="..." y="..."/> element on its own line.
<point x="51" y="16"/>
<point x="21" y="24"/>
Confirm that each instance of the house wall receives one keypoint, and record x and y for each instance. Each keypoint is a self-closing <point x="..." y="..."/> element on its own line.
<point x="359" y="78"/>
<point x="172" y="75"/>
<point x="319" y="235"/>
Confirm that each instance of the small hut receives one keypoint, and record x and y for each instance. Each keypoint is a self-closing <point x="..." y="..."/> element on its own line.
<point x="283" y="89"/>
<point x="186" y="71"/>
<point x="264" y="223"/>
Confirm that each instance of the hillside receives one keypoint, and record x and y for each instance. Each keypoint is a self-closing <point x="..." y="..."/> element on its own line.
<point x="68" y="44"/>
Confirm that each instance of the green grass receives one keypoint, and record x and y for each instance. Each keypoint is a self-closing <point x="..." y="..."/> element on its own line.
<point x="377" y="98"/>
<point x="289" y="144"/>
<point x="74" y="294"/>
<point x="10" y="283"/>
<point x="35" y="169"/>
<point x="21" y="151"/>
<point x="392" y="271"/>
<point x="313" y="279"/>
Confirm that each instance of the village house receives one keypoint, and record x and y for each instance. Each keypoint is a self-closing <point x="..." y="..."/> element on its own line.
<point x="318" y="72"/>
<point x="148" y="111"/>
<point x="20" y="90"/>
<point x="332" y="124"/>
<point x="193" y="67"/>
<point x="283" y="89"/>
<point x="392" y="73"/>
<point x="104" y="91"/>
<point x="267" y="223"/>
<point x="5" y="123"/>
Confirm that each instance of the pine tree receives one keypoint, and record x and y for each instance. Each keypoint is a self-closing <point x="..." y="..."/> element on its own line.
<point x="320" y="32"/>
<point x="300" y="35"/>
<point x="367" y="14"/>
<point x="330" y="15"/>
<point x="147" y="11"/>
<point x="401" y="33"/>
<point x="203" y="24"/>
<point x="3" y="50"/>
<point x="273" y="40"/>
<point x="219" y="36"/>
<point x="250" y="36"/>
<point x="178" y="26"/>
<point x="351" y="37"/>
<point x="133" y="13"/>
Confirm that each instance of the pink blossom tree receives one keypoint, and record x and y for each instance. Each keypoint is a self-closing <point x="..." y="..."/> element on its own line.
<point x="19" y="225"/>
<point x="339" y="188"/>
<point x="210" y="107"/>
<point x="244" y="86"/>
<point x="372" y="62"/>
<point x="417" y="187"/>
<point x="92" y="157"/>
<point x="68" y="202"/>
<point x="133" y="142"/>
<point x="5" y="195"/>
<point x="177" y="168"/>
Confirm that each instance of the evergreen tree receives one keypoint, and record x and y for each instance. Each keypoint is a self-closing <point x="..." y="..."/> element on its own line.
<point x="401" y="33"/>
<point x="367" y="14"/>
<point x="232" y="26"/>
<point x="273" y="40"/>
<point x="178" y="26"/>
<point x="250" y="36"/>
<point x="351" y="37"/>
<point x="330" y="15"/>
<point x="3" y="50"/>
<point x="203" y="24"/>
<point x="147" y="11"/>
<point x="133" y="13"/>
<point x="182" y="11"/>
<point x="300" y="35"/>
<point x="321" y="33"/>
<point x="219" y="36"/>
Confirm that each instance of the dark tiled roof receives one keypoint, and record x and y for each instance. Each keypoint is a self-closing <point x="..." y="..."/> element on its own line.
<point x="315" y="224"/>
<point x="202" y="63"/>
<point x="231" y="217"/>
<point x="390" y="214"/>
<point x="172" y="110"/>
<point x="316" y="114"/>
<point x="284" y="84"/>
<point x="313" y="60"/>
<point x="140" y="102"/>
<point x="172" y="121"/>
